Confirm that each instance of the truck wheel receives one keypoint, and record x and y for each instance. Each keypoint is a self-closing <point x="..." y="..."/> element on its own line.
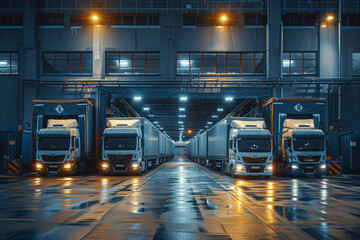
<point x="232" y="172"/>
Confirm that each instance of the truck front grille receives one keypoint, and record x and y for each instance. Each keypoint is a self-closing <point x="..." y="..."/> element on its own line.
<point x="306" y="159"/>
<point x="114" y="157"/>
<point x="255" y="169"/>
<point x="49" y="158"/>
<point x="254" y="160"/>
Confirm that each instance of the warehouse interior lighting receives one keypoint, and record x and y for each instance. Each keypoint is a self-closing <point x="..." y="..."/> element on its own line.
<point x="151" y="115"/>
<point x="156" y="122"/>
<point x="189" y="131"/>
<point x="330" y="17"/>
<point x="180" y="122"/>
<point x="95" y="17"/>
<point x="286" y="63"/>
<point x="184" y="63"/>
<point x="214" y="116"/>
<point x="181" y="109"/>
<point x="124" y="63"/>
<point x="137" y="98"/>
<point x="146" y="109"/>
<point x="209" y="122"/>
<point x="229" y="99"/>
<point x="182" y="116"/>
<point x="3" y="62"/>
<point x="220" y="109"/>
<point x="183" y="99"/>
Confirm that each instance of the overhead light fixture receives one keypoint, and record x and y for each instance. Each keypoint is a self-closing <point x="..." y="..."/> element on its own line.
<point x="209" y="122"/>
<point x="181" y="128"/>
<point x="183" y="99"/>
<point x="181" y="109"/>
<point x="156" y="122"/>
<point x="287" y="63"/>
<point x="3" y="62"/>
<point x="189" y="131"/>
<point x="161" y="128"/>
<point x="151" y="115"/>
<point x="330" y="17"/>
<point x="220" y="109"/>
<point x="206" y="126"/>
<point x="184" y="63"/>
<point x="223" y="18"/>
<point x="229" y="99"/>
<point x="214" y="116"/>
<point x="124" y="63"/>
<point x="182" y="116"/>
<point x="95" y="17"/>
<point x="137" y="98"/>
<point x="146" y="108"/>
<point x="180" y="122"/>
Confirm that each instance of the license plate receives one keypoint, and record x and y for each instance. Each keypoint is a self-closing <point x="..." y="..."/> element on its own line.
<point x="119" y="165"/>
<point x="53" y="166"/>
<point x="309" y="167"/>
<point x="255" y="167"/>
<point x="308" y="160"/>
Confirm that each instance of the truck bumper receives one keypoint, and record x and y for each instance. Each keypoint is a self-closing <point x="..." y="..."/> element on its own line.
<point x="307" y="169"/>
<point x="118" y="167"/>
<point x="254" y="170"/>
<point x="55" y="168"/>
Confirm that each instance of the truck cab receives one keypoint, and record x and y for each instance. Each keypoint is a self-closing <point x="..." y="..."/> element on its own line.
<point x="58" y="148"/>
<point x="303" y="148"/>
<point x="122" y="147"/>
<point x="250" y="149"/>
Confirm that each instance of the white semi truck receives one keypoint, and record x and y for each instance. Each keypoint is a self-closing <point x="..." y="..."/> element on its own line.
<point x="130" y="145"/>
<point x="240" y="147"/>
<point x="303" y="148"/>
<point x="63" y="136"/>
<point x="58" y="147"/>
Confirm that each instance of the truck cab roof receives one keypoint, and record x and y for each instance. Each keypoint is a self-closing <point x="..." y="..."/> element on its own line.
<point x="59" y="131"/>
<point x="115" y="130"/>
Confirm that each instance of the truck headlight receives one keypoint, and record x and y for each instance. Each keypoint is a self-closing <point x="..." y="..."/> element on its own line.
<point x="294" y="166"/>
<point x="39" y="166"/>
<point x="135" y="165"/>
<point x="239" y="167"/>
<point x="323" y="166"/>
<point x="67" y="166"/>
<point x="105" y="165"/>
<point x="269" y="168"/>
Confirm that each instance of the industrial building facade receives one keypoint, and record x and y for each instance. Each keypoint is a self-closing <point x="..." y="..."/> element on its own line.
<point x="280" y="43"/>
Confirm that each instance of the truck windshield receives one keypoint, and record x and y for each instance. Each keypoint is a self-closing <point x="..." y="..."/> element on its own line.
<point x="254" y="144"/>
<point x="55" y="142"/>
<point x="120" y="143"/>
<point x="310" y="143"/>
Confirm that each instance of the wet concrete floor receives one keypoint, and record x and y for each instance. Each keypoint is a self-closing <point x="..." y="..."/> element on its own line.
<point x="179" y="200"/>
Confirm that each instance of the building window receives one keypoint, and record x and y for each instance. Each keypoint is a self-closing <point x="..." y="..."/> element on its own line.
<point x="227" y="63"/>
<point x="67" y="63"/>
<point x="351" y="20"/>
<point x="255" y="19"/>
<point x="9" y="63"/>
<point x="132" y="63"/>
<point x="299" y="63"/>
<point x="209" y="20"/>
<point x="54" y="19"/>
<point x="295" y="19"/>
<point x="135" y="20"/>
<point x="11" y="19"/>
<point x="356" y="64"/>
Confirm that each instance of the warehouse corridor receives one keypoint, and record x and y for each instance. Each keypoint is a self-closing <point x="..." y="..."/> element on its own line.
<point x="178" y="200"/>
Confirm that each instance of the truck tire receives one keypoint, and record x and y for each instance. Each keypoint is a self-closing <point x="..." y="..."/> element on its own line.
<point x="232" y="172"/>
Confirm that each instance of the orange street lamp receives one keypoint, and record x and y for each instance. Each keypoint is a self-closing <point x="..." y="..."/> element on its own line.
<point x="223" y="18"/>
<point x="94" y="18"/>
<point x="189" y="131"/>
<point x="330" y="18"/>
